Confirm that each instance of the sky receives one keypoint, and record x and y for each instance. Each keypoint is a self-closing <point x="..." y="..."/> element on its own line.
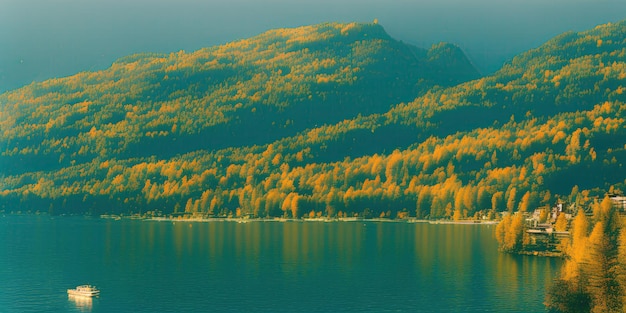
<point x="41" y="39"/>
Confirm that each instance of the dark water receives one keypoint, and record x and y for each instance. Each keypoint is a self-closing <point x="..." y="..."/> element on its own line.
<point x="149" y="266"/>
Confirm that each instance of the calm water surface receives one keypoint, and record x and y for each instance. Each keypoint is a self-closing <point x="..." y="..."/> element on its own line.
<point x="150" y="266"/>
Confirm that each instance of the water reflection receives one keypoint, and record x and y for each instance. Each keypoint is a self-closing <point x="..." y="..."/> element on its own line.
<point x="359" y="265"/>
<point x="81" y="303"/>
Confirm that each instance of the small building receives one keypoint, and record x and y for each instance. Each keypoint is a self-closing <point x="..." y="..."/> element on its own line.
<point x="619" y="202"/>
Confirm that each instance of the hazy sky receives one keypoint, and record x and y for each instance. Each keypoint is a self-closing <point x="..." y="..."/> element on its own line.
<point x="40" y="39"/>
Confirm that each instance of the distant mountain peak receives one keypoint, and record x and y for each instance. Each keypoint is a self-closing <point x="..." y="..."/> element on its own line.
<point x="329" y="30"/>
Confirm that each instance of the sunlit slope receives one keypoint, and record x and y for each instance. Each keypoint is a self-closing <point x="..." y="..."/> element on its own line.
<point x="251" y="91"/>
<point x="551" y="119"/>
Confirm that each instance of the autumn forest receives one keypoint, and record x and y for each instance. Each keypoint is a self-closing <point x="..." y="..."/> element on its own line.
<point x="326" y="120"/>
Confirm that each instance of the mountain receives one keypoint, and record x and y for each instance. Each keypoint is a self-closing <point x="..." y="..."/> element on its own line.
<point x="332" y="119"/>
<point x="248" y="92"/>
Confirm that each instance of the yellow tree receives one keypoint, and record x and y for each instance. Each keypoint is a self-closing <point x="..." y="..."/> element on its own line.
<point x="599" y="267"/>
<point x="496" y="200"/>
<point x="189" y="206"/>
<point x="561" y="223"/>
<point x="423" y="202"/>
<point x="457" y="214"/>
<point x="510" y="233"/>
<point x="576" y="249"/>
<point x="295" y="205"/>
<point x="510" y="201"/>
<point x="621" y="257"/>
<point x="514" y="237"/>
<point x="595" y="268"/>
<point x="501" y="230"/>
<point x="525" y="202"/>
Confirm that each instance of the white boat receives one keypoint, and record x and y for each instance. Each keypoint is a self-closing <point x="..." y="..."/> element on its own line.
<point x="84" y="291"/>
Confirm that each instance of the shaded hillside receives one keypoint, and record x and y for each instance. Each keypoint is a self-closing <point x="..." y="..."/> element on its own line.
<point x="247" y="92"/>
<point x="549" y="123"/>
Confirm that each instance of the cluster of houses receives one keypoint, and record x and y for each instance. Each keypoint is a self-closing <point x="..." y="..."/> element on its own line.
<point x="543" y="229"/>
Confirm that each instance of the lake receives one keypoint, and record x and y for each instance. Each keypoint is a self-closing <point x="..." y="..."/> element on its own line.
<point x="165" y="266"/>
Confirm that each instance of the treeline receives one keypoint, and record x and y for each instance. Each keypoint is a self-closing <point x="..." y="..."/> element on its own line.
<point x="460" y="176"/>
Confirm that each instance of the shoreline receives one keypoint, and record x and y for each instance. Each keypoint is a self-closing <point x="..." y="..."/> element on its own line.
<point x="270" y="219"/>
<point x="546" y="254"/>
<point x="322" y="220"/>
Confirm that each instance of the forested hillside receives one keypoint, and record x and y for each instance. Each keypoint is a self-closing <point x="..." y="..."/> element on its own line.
<point x="332" y="119"/>
<point x="248" y="92"/>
